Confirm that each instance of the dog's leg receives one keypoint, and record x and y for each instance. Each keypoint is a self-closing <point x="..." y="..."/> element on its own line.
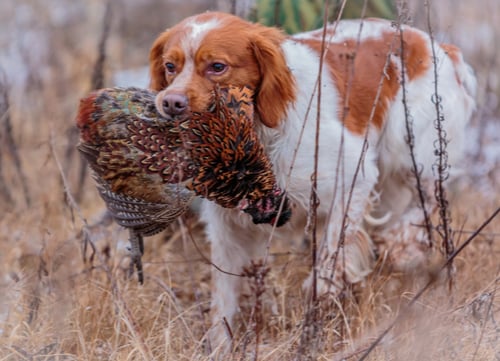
<point x="338" y="265"/>
<point x="235" y="242"/>
<point x="345" y="253"/>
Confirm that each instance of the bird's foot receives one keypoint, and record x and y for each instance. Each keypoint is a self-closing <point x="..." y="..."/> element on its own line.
<point x="136" y="251"/>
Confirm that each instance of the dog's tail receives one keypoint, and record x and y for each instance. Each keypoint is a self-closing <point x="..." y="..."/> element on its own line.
<point x="463" y="71"/>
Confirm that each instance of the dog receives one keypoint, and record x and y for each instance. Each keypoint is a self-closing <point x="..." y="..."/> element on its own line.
<point x="344" y="134"/>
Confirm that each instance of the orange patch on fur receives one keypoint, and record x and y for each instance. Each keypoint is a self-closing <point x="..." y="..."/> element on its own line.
<point x="417" y="57"/>
<point x="358" y="78"/>
<point x="358" y="72"/>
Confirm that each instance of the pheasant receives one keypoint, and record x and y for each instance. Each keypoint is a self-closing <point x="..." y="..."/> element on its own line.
<point x="148" y="169"/>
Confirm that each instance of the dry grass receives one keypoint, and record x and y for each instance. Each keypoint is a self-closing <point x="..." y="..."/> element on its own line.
<point x="59" y="303"/>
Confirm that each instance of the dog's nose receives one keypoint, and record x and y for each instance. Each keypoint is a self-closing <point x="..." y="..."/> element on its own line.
<point x="175" y="104"/>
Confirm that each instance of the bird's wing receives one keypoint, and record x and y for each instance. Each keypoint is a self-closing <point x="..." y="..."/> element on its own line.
<point x="146" y="218"/>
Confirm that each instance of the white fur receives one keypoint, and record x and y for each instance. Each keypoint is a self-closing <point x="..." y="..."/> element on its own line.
<point x="197" y="32"/>
<point x="190" y="44"/>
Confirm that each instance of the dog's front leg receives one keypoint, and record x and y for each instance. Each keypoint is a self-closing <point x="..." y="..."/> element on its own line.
<point x="235" y="242"/>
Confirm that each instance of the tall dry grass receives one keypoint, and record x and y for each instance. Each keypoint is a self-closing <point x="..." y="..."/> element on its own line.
<point x="60" y="301"/>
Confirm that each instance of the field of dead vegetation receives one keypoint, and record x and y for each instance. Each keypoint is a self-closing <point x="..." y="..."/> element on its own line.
<point x="65" y="289"/>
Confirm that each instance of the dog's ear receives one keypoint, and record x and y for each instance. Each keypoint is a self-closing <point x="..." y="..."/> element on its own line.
<point x="156" y="65"/>
<point x="277" y="88"/>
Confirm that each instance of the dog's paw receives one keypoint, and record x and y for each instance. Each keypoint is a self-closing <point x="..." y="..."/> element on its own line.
<point x="347" y="265"/>
<point x="405" y="248"/>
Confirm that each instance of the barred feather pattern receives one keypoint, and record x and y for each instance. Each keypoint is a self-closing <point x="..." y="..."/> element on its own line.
<point x="130" y="146"/>
<point x="146" y="218"/>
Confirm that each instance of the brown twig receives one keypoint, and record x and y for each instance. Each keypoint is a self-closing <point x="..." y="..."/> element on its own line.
<point x="4" y="190"/>
<point x="464" y="231"/>
<point x="206" y="259"/>
<point x="233" y="7"/>
<point x="257" y="272"/>
<point x="441" y="164"/>
<point x="310" y="328"/>
<point x="4" y="109"/>
<point x="8" y="138"/>
<point x="276" y="13"/>
<point x="314" y="201"/>
<point x="364" y="147"/>
<point x="410" y="137"/>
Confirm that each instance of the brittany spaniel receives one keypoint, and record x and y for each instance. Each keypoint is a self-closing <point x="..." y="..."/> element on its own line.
<point x="361" y="111"/>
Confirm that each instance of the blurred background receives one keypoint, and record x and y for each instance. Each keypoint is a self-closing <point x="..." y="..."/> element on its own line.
<point x="53" y="52"/>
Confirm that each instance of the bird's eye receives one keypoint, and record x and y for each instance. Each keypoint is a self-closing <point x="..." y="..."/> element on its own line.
<point x="217" y="68"/>
<point x="170" y="67"/>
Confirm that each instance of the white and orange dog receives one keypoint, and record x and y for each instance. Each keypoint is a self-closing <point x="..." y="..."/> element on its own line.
<point x="361" y="97"/>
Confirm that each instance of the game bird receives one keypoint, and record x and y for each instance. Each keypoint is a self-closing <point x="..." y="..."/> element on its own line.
<point x="148" y="168"/>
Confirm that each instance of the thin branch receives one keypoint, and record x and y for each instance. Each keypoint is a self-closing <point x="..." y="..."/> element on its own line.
<point x="310" y="325"/>
<point x="314" y="202"/>
<point x="98" y="71"/>
<point x="206" y="259"/>
<point x="364" y="146"/>
<point x="301" y="135"/>
<point x="464" y="231"/>
<point x="410" y="137"/>
<point x="8" y="138"/>
<point x="256" y="272"/>
<point x="441" y="164"/>
<point x="4" y="109"/>
<point x="4" y="190"/>
<point x="71" y="200"/>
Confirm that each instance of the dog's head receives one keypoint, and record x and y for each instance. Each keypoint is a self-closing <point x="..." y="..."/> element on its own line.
<point x="189" y="59"/>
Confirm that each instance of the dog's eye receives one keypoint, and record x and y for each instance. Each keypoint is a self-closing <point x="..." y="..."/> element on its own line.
<point x="170" y="67"/>
<point x="217" y="68"/>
